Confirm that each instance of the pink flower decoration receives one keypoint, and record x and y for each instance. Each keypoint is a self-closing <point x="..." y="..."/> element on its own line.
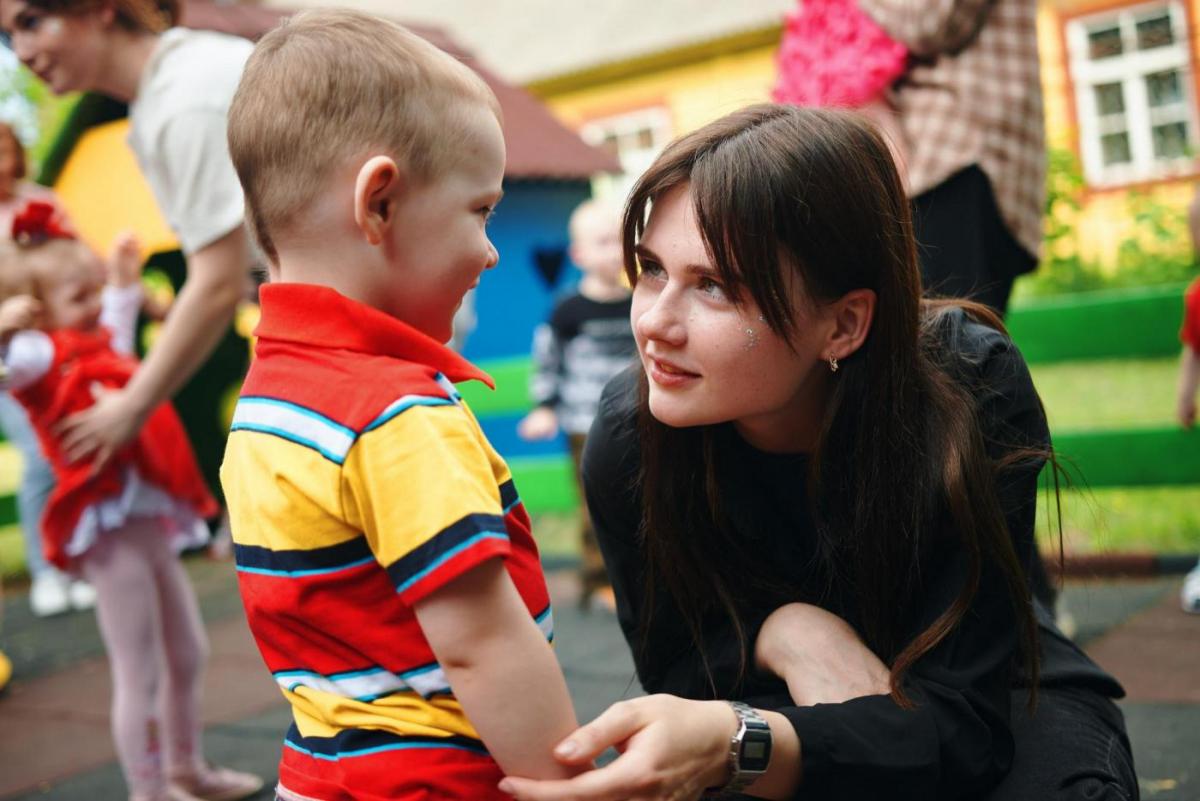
<point x="833" y="54"/>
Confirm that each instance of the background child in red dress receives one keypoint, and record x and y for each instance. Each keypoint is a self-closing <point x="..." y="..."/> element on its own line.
<point x="1189" y="379"/>
<point x="67" y="339"/>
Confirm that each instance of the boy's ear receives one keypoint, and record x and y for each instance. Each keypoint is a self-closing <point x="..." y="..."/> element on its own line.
<point x="376" y="193"/>
<point x="852" y="317"/>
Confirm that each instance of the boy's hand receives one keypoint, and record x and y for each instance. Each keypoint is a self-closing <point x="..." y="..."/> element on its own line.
<point x="1187" y="410"/>
<point x="125" y="260"/>
<point x="541" y="423"/>
<point x="18" y="313"/>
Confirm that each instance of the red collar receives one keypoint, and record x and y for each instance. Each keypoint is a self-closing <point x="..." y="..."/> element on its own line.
<point x="310" y="314"/>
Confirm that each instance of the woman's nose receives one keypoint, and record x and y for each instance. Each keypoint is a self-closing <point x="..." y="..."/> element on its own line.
<point x="493" y="257"/>
<point x="662" y="320"/>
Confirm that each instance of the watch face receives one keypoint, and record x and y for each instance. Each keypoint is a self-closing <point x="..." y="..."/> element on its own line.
<point x="756" y="750"/>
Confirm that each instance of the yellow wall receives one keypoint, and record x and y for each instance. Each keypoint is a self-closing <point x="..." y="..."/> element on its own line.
<point x="703" y="88"/>
<point x="104" y="192"/>
<point x="693" y="94"/>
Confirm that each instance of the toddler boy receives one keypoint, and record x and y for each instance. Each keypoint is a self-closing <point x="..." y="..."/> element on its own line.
<point x="384" y="557"/>
<point x="587" y="340"/>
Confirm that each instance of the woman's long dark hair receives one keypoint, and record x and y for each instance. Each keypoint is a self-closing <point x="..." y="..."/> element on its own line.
<point x="900" y="457"/>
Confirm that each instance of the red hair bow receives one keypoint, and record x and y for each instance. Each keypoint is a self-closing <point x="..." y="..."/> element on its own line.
<point x="38" y="221"/>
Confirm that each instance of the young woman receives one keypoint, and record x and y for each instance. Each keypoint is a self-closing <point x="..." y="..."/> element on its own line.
<point x="178" y="84"/>
<point x="817" y="497"/>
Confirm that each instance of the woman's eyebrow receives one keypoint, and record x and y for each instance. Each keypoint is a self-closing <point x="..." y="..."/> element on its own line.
<point x="645" y="252"/>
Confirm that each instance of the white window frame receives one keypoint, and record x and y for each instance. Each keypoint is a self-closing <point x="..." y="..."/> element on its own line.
<point x="1130" y="70"/>
<point x="634" y="160"/>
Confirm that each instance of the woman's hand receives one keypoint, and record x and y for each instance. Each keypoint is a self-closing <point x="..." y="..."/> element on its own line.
<point x="100" y="430"/>
<point x="671" y="748"/>
<point x="819" y="655"/>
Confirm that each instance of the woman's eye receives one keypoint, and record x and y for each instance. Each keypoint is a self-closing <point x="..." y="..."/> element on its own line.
<point x="487" y="212"/>
<point x="712" y="288"/>
<point x="649" y="269"/>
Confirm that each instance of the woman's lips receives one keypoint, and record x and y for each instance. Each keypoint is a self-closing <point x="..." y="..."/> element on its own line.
<point x="666" y="374"/>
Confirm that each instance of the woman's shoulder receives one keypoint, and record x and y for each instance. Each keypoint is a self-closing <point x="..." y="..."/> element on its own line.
<point x="612" y="455"/>
<point x="973" y="344"/>
<point x="617" y="413"/>
<point x="189" y="71"/>
<point x="974" y="348"/>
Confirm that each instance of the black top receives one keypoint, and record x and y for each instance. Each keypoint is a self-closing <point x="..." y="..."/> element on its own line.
<point x="576" y="352"/>
<point x="956" y="743"/>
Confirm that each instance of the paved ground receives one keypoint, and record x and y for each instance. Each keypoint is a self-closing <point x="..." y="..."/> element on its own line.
<point x="54" y="741"/>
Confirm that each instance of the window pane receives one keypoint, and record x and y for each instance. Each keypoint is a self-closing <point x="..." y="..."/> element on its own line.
<point x="1164" y="88"/>
<point x="1170" y="140"/>
<point x="1116" y="148"/>
<point x="610" y="144"/>
<point x="1155" y="32"/>
<point x="1104" y="42"/>
<point x="1109" y="99"/>
<point x="645" y="138"/>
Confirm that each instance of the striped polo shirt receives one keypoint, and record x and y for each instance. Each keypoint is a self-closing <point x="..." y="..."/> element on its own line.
<point x="358" y="482"/>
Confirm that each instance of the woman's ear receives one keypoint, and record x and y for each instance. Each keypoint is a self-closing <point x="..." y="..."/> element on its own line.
<point x="852" y="315"/>
<point x="376" y="193"/>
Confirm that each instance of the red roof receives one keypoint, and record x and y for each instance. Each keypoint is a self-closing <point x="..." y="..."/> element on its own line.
<point x="539" y="146"/>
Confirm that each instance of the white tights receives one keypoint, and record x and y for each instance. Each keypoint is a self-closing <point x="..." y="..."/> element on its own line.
<point x="151" y="626"/>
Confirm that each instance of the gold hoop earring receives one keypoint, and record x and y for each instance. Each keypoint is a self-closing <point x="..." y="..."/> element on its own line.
<point x="833" y="363"/>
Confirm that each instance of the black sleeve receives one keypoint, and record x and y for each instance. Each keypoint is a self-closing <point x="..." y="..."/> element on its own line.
<point x="956" y="742"/>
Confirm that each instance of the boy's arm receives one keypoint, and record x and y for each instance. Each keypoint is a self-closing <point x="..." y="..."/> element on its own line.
<point x="1189" y="380"/>
<point x="501" y="668"/>
<point x="544" y="384"/>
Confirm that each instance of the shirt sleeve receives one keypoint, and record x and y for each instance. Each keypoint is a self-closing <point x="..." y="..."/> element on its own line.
<point x="194" y="180"/>
<point x="545" y="383"/>
<point x="119" y="307"/>
<point x="930" y="27"/>
<point x="26" y="359"/>
<point x="422" y="489"/>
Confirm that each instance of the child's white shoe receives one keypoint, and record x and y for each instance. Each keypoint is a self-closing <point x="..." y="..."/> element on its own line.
<point x="1189" y="596"/>
<point x="49" y="594"/>
<point x="82" y="594"/>
<point x="214" y="783"/>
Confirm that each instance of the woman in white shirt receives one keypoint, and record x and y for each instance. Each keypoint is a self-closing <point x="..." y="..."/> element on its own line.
<point x="178" y="84"/>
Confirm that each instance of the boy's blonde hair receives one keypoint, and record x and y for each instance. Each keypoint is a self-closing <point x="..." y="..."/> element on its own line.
<point x="593" y="211"/>
<point x="329" y="85"/>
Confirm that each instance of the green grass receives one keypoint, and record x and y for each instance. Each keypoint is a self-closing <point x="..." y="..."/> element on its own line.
<point x="1107" y="394"/>
<point x="12" y="552"/>
<point x="1113" y="395"/>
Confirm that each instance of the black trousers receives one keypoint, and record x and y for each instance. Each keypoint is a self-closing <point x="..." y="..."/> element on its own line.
<point x="965" y="249"/>
<point x="1073" y="748"/>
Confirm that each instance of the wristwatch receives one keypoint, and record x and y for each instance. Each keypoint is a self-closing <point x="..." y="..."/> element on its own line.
<point x="749" y="748"/>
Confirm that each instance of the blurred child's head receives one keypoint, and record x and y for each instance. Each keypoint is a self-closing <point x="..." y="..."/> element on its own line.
<point x="59" y="271"/>
<point x="355" y="136"/>
<point x="595" y="230"/>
